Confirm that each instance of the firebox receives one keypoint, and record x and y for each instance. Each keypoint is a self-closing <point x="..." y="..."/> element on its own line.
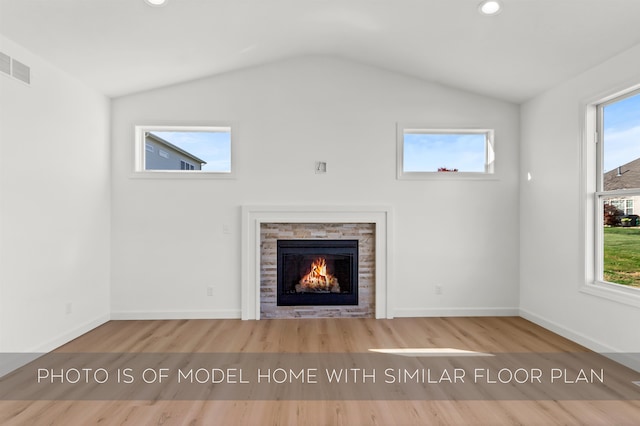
<point x="317" y="272"/>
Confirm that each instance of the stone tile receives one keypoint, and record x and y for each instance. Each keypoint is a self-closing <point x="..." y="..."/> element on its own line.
<point x="364" y="233"/>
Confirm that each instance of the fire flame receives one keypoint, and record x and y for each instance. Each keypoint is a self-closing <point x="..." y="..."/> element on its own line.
<point x="318" y="279"/>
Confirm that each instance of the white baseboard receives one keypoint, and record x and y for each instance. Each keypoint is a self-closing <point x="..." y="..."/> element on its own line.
<point x="13" y="361"/>
<point x="72" y="334"/>
<point x="628" y="360"/>
<point x="170" y="315"/>
<point x="457" y="312"/>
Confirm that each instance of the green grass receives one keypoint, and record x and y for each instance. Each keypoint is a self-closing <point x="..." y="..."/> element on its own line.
<point x="622" y="256"/>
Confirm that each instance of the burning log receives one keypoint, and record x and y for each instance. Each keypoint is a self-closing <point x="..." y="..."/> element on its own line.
<point x="318" y="280"/>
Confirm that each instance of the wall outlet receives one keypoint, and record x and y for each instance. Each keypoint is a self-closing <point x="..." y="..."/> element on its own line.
<point x="68" y="308"/>
<point x="226" y="229"/>
<point x="439" y="289"/>
<point x="210" y="290"/>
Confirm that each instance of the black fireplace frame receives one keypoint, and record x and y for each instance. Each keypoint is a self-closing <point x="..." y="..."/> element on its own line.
<point x="346" y="248"/>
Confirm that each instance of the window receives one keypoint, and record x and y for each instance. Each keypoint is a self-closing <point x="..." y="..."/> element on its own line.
<point x="617" y="228"/>
<point x="183" y="151"/>
<point x="624" y="205"/>
<point x="186" y="166"/>
<point x="436" y="153"/>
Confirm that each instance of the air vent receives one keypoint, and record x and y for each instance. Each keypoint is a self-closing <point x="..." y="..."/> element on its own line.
<point x="21" y="72"/>
<point x="15" y="68"/>
<point x="5" y="63"/>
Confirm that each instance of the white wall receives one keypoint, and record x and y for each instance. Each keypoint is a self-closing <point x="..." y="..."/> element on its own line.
<point x="55" y="207"/>
<point x="168" y="241"/>
<point x="551" y="204"/>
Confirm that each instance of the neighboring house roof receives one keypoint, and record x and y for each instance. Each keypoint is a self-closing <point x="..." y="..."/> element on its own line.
<point x="626" y="176"/>
<point x="175" y="148"/>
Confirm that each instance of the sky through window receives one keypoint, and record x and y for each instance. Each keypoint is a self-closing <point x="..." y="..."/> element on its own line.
<point x="428" y="152"/>
<point x="621" y="132"/>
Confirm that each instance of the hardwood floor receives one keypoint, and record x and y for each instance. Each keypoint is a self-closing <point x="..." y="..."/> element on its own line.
<point x="487" y="334"/>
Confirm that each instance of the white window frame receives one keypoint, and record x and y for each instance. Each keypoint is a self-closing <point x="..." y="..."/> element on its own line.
<point x="490" y="169"/>
<point x="140" y="152"/>
<point x="591" y="153"/>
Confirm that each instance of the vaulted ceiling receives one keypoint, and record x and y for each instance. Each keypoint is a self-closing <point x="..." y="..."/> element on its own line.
<point x="125" y="46"/>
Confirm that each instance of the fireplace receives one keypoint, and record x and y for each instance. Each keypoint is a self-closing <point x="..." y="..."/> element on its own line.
<point x="317" y="272"/>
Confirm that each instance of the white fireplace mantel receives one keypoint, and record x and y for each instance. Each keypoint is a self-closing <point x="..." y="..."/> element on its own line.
<point x="254" y="216"/>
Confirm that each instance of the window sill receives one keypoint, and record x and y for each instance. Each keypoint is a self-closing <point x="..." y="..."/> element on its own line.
<point x="446" y="176"/>
<point x="167" y="174"/>
<point x="614" y="292"/>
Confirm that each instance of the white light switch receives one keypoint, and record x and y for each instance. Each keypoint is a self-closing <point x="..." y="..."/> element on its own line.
<point x="321" y="167"/>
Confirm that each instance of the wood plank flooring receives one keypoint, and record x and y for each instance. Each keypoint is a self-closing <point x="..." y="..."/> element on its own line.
<point x="486" y="334"/>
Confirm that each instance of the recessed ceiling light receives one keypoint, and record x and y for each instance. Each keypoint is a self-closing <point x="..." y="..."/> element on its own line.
<point x="490" y="7"/>
<point x="156" y="2"/>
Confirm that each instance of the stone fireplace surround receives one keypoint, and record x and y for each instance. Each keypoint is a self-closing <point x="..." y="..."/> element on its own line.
<point x="270" y="233"/>
<point x="253" y="217"/>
